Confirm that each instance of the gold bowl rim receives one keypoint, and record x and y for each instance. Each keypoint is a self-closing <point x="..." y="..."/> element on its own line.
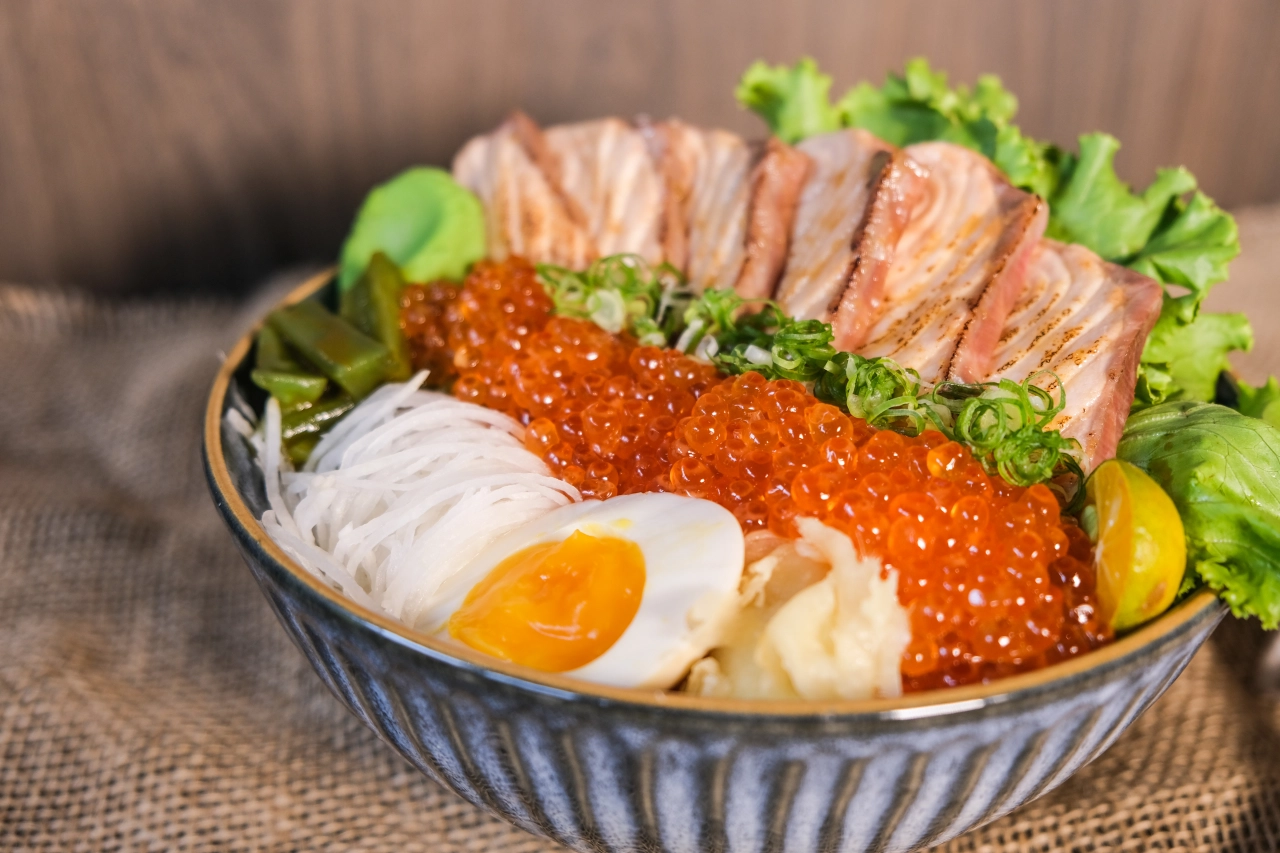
<point x="909" y="706"/>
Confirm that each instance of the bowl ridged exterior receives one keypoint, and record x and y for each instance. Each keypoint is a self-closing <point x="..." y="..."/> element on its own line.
<point x="605" y="776"/>
<point x="602" y="773"/>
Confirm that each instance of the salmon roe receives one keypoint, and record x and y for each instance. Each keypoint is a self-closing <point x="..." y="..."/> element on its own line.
<point x="995" y="579"/>
<point x="452" y="329"/>
<point x="600" y="409"/>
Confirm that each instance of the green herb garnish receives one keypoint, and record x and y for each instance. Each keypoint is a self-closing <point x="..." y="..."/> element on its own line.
<point x="1006" y="423"/>
<point x="621" y="293"/>
<point x="1003" y="423"/>
<point x="738" y="335"/>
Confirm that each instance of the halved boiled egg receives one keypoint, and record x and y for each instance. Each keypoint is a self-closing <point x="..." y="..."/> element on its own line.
<point x="627" y="592"/>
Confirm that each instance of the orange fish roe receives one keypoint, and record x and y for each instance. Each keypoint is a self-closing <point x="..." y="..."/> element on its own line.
<point x="424" y="310"/>
<point x="995" y="580"/>
<point x="600" y="409"/>
<point x="452" y="329"/>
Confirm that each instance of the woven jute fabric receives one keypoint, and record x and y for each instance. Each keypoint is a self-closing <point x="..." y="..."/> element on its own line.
<point x="149" y="700"/>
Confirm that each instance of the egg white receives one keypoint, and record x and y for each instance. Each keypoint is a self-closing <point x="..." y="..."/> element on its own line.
<point x="693" y="560"/>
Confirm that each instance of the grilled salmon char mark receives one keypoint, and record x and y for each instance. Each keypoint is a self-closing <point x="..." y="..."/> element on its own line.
<point x="1043" y="330"/>
<point x="947" y="307"/>
<point x="895" y="189"/>
<point x="880" y="164"/>
<point x="1051" y="352"/>
<point x="534" y="143"/>
<point x="957" y="242"/>
<point x="1079" y="357"/>
<point x="975" y="352"/>
<point x="776" y="186"/>
<point x="676" y="166"/>
<point x="1100" y="316"/>
<point x="832" y="203"/>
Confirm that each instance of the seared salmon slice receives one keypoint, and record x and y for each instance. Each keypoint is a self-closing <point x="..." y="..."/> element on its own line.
<point x="707" y="177"/>
<point x="605" y="168"/>
<point x="895" y="189"/>
<point x="700" y="199"/>
<point x="566" y="195"/>
<point x="730" y="206"/>
<point x="851" y="214"/>
<point x="776" y="184"/>
<point x="831" y="207"/>
<point x="1086" y="320"/>
<point x="959" y="266"/>
<point x="527" y="213"/>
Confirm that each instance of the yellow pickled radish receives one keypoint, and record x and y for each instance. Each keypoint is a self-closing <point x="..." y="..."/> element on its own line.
<point x="1141" y="551"/>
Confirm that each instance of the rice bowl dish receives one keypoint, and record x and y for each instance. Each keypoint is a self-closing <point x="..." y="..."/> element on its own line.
<point x="659" y="488"/>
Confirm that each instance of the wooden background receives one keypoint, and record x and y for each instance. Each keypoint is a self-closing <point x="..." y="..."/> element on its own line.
<point x="151" y="146"/>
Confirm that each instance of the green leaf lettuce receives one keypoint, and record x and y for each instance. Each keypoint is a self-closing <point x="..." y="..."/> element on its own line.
<point x="1170" y="231"/>
<point x="1191" y="248"/>
<point x="794" y="101"/>
<point x="1193" y="354"/>
<point x="919" y="106"/>
<point x="1222" y="470"/>
<point x="1094" y="207"/>
<point x="1260" y="402"/>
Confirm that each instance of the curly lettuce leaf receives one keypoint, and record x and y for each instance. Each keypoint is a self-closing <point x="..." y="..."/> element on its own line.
<point x="1031" y="165"/>
<point x="915" y="106"/>
<point x="794" y="101"/>
<point x="1155" y="385"/>
<point x="919" y="106"/>
<point x="1222" y="470"/>
<point x="1095" y="208"/>
<point x="1170" y="231"/>
<point x="1262" y="401"/>
<point x="1174" y="240"/>
<point x="1191" y="248"/>
<point x="1192" y="354"/>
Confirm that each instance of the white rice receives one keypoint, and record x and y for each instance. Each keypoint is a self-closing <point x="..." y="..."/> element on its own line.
<point x="402" y="493"/>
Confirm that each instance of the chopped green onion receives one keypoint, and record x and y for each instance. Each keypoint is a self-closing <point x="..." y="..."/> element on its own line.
<point x="1003" y="423"/>
<point x="621" y="293"/>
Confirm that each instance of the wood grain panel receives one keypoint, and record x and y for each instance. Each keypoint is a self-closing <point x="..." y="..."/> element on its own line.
<point x="186" y="144"/>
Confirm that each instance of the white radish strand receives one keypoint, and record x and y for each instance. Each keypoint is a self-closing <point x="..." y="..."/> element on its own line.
<point x="402" y="493"/>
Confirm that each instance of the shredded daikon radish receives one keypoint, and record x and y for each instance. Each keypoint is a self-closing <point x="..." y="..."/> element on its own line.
<point x="402" y="493"/>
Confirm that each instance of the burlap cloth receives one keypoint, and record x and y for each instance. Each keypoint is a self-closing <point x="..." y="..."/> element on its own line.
<point x="149" y="700"/>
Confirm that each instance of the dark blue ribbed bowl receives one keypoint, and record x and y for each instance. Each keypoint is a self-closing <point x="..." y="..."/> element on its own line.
<point x="605" y="769"/>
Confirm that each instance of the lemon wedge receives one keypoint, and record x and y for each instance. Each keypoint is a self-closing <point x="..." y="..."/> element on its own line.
<point x="1141" y="551"/>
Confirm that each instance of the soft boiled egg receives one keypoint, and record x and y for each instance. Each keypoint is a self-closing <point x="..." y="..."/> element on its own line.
<point x="627" y="592"/>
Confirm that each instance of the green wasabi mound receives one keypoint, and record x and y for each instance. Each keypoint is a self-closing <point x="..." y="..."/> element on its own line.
<point x="1222" y="470"/>
<point x="427" y="223"/>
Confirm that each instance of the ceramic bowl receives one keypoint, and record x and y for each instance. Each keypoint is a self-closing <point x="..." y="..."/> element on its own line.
<point x="605" y="769"/>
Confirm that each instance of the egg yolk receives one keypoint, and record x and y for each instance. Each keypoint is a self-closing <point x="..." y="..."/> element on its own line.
<point x="555" y="606"/>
